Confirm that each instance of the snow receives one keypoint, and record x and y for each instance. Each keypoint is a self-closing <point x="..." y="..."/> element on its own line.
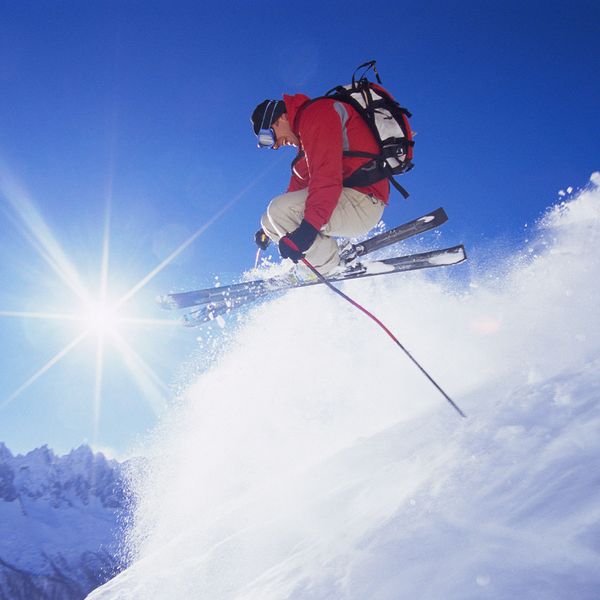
<point x="313" y="461"/>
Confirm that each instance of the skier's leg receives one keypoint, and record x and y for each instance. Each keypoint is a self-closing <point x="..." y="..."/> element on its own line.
<point x="284" y="214"/>
<point x="355" y="214"/>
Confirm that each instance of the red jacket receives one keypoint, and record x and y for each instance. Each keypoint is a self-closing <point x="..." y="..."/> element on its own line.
<point x="325" y="129"/>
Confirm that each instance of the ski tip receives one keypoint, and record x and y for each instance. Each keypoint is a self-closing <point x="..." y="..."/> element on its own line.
<point x="460" y="252"/>
<point x="455" y="255"/>
<point x="440" y="214"/>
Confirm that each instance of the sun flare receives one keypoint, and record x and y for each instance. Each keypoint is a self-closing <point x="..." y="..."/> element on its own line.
<point x="101" y="318"/>
<point x="96" y="315"/>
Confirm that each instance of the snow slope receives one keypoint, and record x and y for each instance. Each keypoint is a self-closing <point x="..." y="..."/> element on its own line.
<point x="59" y="523"/>
<point x="313" y="461"/>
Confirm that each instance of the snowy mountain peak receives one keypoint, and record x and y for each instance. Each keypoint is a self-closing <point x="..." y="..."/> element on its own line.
<point x="75" y="478"/>
<point x="60" y="522"/>
<point x="84" y="453"/>
<point x="5" y="453"/>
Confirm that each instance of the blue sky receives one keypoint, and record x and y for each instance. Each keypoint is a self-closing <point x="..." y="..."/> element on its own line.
<point x="132" y="118"/>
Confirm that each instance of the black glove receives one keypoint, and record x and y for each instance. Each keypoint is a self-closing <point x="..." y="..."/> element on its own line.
<point x="261" y="239"/>
<point x="294" y="245"/>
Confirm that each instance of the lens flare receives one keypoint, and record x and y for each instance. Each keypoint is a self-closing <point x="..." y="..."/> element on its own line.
<point x="95" y="315"/>
<point x="101" y="319"/>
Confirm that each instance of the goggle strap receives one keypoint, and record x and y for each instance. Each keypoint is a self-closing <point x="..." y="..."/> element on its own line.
<point x="271" y="102"/>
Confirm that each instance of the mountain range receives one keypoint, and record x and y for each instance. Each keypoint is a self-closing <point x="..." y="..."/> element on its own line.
<point x="61" y="522"/>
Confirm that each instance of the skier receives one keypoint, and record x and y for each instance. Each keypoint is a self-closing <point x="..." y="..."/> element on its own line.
<point x="319" y="203"/>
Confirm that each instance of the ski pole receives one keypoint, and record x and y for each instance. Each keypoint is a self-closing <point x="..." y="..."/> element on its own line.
<point x="354" y="303"/>
<point x="389" y="333"/>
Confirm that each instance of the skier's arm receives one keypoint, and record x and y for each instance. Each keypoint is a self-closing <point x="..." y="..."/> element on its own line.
<point x="321" y="134"/>
<point x="296" y="183"/>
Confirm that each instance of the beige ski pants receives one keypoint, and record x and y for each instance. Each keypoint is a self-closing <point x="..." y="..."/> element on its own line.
<point x="355" y="214"/>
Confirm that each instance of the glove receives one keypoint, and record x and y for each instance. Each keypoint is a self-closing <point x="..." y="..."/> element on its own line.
<point x="261" y="239"/>
<point x="294" y="245"/>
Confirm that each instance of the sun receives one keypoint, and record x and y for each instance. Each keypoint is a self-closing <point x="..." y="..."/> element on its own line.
<point x="100" y="318"/>
<point x="95" y="315"/>
<point x="92" y="313"/>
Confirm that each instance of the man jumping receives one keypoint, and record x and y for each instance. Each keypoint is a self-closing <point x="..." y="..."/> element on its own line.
<point x="322" y="200"/>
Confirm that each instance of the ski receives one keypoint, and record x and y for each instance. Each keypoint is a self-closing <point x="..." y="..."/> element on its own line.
<point x="402" y="232"/>
<point x="349" y="252"/>
<point x="258" y="289"/>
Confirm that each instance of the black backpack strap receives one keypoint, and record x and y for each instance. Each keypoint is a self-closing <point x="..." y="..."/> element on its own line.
<point x="402" y="190"/>
<point x="367" y="67"/>
<point x="361" y="154"/>
<point x="371" y="172"/>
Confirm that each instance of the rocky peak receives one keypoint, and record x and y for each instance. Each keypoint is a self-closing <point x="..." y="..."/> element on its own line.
<point x="60" y="522"/>
<point x="76" y="478"/>
<point x="5" y="453"/>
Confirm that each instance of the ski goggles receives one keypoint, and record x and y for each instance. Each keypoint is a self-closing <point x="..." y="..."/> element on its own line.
<point x="266" y="138"/>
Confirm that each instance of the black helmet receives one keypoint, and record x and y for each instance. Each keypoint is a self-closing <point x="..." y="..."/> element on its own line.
<point x="266" y="113"/>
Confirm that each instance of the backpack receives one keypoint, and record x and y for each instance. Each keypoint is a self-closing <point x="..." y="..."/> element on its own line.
<point x="388" y="122"/>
